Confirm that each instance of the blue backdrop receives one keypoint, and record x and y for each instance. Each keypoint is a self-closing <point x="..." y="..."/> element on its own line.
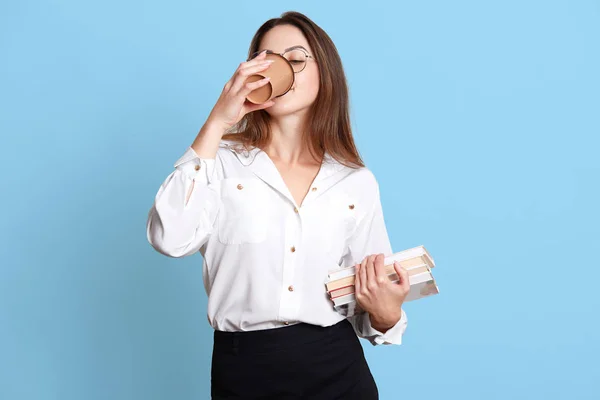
<point x="479" y="119"/>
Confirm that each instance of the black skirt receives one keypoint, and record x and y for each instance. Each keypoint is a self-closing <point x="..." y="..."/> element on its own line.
<point x="301" y="361"/>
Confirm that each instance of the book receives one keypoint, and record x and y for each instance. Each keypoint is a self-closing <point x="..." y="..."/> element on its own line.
<point x="407" y="258"/>
<point x="349" y="288"/>
<point x="411" y="258"/>
<point x="418" y="263"/>
<point x="421" y="285"/>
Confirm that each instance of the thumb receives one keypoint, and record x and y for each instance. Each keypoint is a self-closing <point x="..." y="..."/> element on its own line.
<point x="402" y="276"/>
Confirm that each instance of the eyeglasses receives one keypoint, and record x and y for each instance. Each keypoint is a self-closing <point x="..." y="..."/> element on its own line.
<point x="296" y="56"/>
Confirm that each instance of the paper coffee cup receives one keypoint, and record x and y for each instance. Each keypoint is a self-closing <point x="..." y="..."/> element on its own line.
<point x="281" y="73"/>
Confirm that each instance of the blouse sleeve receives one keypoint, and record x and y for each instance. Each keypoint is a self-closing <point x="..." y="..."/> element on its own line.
<point x="185" y="207"/>
<point x="371" y="237"/>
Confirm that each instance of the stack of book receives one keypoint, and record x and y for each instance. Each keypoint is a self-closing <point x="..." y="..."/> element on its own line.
<point x="418" y="263"/>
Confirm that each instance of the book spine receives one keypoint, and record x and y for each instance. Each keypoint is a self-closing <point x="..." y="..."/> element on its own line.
<point x="342" y="273"/>
<point x="334" y="293"/>
<point x="344" y="299"/>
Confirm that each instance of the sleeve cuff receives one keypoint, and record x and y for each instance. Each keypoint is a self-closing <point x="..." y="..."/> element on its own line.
<point x="391" y="336"/>
<point x="196" y="168"/>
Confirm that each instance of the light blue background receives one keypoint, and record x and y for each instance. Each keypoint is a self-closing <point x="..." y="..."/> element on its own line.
<point x="479" y="119"/>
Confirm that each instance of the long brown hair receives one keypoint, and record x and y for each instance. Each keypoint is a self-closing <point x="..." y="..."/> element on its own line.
<point x="328" y="124"/>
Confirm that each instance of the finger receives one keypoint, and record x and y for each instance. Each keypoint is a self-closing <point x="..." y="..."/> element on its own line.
<point x="256" y="60"/>
<point x="371" y="278"/>
<point x="255" y="107"/>
<point x="403" y="277"/>
<point x="241" y="66"/>
<point x="255" y="68"/>
<point x="260" y="59"/>
<point x="247" y="87"/>
<point x="363" y="275"/>
<point x="250" y="86"/>
<point x="243" y="74"/>
<point x="260" y="56"/>
<point x="380" y="273"/>
<point x="357" y="281"/>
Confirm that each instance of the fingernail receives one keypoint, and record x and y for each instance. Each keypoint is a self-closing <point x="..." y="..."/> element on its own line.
<point x="268" y="62"/>
<point x="267" y="78"/>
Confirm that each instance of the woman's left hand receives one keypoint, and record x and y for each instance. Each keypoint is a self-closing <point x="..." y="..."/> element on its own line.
<point x="377" y="295"/>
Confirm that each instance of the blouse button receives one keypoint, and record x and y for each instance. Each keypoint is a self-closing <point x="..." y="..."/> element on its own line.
<point x="351" y="206"/>
<point x="291" y="288"/>
<point x="293" y="249"/>
<point x="296" y="210"/>
<point x="314" y="189"/>
<point x="240" y="187"/>
<point x="197" y="167"/>
<point x="286" y="323"/>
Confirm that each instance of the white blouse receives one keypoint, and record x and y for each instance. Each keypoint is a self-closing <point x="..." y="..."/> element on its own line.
<point x="265" y="258"/>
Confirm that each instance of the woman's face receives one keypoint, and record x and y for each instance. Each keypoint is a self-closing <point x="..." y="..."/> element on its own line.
<point x="306" y="85"/>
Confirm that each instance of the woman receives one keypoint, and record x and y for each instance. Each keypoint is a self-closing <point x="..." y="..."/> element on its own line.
<point x="274" y="197"/>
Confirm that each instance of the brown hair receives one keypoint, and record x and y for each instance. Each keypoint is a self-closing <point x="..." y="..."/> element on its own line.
<point x="328" y="119"/>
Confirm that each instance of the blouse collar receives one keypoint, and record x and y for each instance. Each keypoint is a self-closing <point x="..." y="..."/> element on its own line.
<point x="261" y="165"/>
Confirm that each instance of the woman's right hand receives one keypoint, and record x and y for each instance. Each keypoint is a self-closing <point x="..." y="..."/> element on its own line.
<point x="232" y="104"/>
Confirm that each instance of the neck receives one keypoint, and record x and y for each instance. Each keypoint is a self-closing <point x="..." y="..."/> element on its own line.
<point x="287" y="141"/>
